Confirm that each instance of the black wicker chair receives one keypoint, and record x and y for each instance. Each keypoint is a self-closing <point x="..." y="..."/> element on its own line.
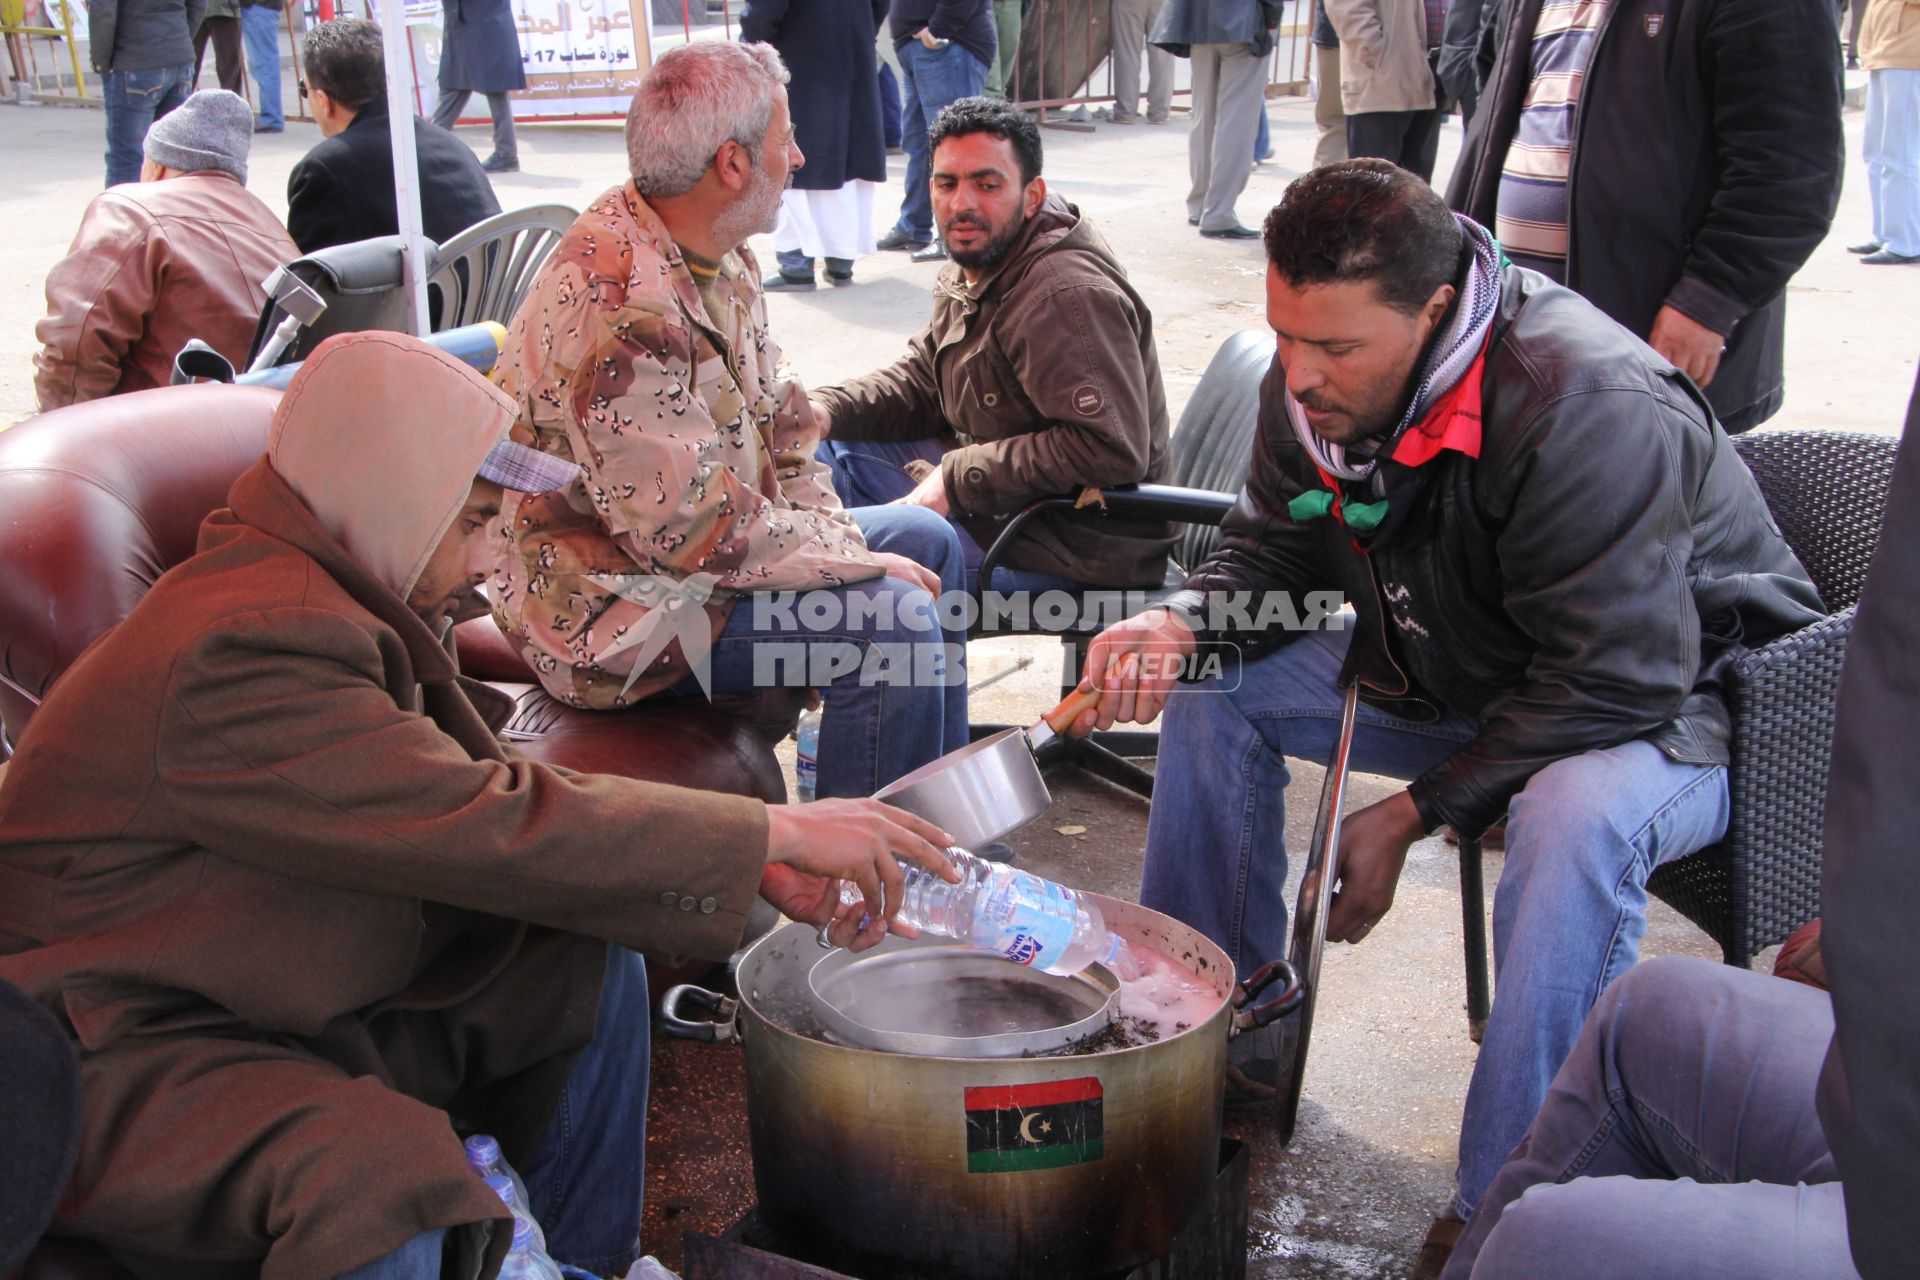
<point x="1828" y="492"/>
<point x="1212" y="447"/>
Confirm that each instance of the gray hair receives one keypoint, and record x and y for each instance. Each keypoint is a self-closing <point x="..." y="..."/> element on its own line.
<point x="693" y="99"/>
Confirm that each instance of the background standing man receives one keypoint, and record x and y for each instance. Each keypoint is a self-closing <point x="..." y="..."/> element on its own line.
<point x="945" y="48"/>
<point x="143" y="50"/>
<point x="1132" y="19"/>
<point x="1387" y="87"/>
<point x="481" y="54"/>
<point x="1674" y="164"/>
<point x="1890" y="47"/>
<point x="260" y="25"/>
<point x="1228" y="41"/>
<point x="827" y="208"/>
<point x="221" y="28"/>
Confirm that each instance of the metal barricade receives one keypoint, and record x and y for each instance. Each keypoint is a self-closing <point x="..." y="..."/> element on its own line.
<point x="25" y="21"/>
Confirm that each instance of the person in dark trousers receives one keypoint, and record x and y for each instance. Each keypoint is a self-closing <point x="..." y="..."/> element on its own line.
<point x="481" y="54"/>
<point x="1714" y="1122"/>
<point x="827" y="208"/>
<point x="946" y="48"/>
<point x="342" y="190"/>
<point x="1388" y="89"/>
<point x="221" y="28"/>
<point x="1468" y="23"/>
<point x="143" y="50"/>
<point x="1693" y="167"/>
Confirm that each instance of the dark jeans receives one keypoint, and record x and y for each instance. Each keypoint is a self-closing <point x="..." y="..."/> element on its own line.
<point x="134" y="100"/>
<point x="1410" y="139"/>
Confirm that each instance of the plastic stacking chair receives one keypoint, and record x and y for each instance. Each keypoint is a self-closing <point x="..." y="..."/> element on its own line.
<point x="484" y="272"/>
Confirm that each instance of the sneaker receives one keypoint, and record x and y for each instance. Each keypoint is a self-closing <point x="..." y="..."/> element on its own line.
<point x="900" y="242"/>
<point x="497" y="163"/>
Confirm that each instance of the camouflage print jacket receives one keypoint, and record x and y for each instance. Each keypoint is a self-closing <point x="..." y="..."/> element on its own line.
<point x="698" y="480"/>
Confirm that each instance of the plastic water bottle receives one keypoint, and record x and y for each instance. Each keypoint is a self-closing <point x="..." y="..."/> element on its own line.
<point x="1015" y="914"/>
<point x="483" y="1156"/>
<point x="525" y="1259"/>
<point x="503" y="1187"/>
<point x="806" y="756"/>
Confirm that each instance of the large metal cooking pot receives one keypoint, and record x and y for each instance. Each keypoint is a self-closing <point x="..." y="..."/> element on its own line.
<point x="990" y="788"/>
<point x="896" y="1165"/>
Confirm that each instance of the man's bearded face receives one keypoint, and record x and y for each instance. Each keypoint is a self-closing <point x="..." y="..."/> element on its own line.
<point x="1350" y="358"/>
<point x="979" y="200"/>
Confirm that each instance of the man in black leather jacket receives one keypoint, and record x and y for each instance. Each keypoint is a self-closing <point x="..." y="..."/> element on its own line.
<point x="1551" y="551"/>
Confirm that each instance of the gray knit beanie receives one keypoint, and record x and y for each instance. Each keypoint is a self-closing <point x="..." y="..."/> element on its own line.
<point x="213" y="129"/>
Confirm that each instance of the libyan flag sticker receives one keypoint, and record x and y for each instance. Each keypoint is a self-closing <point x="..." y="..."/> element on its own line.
<point x="1034" y="1126"/>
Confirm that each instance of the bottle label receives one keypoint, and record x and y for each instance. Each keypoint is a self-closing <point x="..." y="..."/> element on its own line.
<point x="1035" y="927"/>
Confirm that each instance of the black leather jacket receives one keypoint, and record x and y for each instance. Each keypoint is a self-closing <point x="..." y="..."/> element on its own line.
<point x="1579" y="585"/>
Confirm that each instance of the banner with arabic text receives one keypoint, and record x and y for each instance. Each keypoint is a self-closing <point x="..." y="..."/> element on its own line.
<point x="583" y="58"/>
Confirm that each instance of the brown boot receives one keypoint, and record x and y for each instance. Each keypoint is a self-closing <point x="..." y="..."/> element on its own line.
<point x="1438" y="1246"/>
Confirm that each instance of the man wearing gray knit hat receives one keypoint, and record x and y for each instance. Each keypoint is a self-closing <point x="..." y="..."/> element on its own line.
<point x="181" y="254"/>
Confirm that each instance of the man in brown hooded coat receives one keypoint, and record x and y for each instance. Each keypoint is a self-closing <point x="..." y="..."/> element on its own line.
<point x="300" y="906"/>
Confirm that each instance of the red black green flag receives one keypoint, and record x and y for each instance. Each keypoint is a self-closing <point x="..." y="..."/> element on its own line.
<point x="1034" y="1126"/>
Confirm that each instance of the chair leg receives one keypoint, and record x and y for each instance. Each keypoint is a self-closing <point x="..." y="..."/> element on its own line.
<point x="1102" y="762"/>
<point x="1473" y="919"/>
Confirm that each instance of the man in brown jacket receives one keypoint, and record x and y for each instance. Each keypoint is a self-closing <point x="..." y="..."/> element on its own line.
<point x="1036" y="377"/>
<point x="181" y="254"/>
<point x="296" y="905"/>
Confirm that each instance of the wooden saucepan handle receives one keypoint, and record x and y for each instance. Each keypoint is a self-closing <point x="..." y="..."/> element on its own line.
<point x="1061" y="718"/>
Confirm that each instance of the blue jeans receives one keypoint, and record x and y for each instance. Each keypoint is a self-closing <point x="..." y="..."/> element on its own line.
<point x="1570" y="910"/>
<point x="585" y="1178"/>
<point x="893" y="679"/>
<point x="932" y="78"/>
<point x="1679" y="1142"/>
<point x="133" y="101"/>
<point x="872" y="473"/>
<point x="260" y="26"/>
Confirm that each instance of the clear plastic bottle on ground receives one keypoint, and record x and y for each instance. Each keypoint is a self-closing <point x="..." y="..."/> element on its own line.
<point x="806" y="755"/>
<point x="526" y="1260"/>
<point x="1014" y="913"/>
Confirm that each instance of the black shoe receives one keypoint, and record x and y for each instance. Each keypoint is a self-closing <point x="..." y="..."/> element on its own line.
<point x="935" y="252"/>
<point x="780" y="282"/>
<point x="1888" y="258"/>
<point x="1193" y="222"/>
<point x="839" y="272"/>
<point x="897" y="242"/>
<point x="1866" y="247"/>
<point x="497" y="163"/>
<point x="1234" y="232"/>
<point x="1853" y="62"/>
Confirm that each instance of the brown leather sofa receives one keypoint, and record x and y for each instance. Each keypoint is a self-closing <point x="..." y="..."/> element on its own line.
<point x="100" y="499"/>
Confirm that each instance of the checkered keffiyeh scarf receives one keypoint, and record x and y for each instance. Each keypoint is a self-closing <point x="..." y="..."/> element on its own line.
<point x="1449" y="355"/>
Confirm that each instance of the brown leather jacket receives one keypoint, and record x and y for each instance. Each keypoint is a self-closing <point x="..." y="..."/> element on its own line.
<point x="154" y="264"/>
<point x="1042" y="379"/>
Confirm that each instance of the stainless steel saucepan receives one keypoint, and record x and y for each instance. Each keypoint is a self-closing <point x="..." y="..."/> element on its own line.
<point x="988" y="788"/>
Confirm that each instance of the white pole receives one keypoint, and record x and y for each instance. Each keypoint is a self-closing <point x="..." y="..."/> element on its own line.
<point x="406" y="165"/>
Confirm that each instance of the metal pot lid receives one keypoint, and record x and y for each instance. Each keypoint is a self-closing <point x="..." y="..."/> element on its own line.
<point x="944" y="999"/>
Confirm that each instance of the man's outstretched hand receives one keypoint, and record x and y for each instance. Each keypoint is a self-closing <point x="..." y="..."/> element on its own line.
<point x="812" y="847"/>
